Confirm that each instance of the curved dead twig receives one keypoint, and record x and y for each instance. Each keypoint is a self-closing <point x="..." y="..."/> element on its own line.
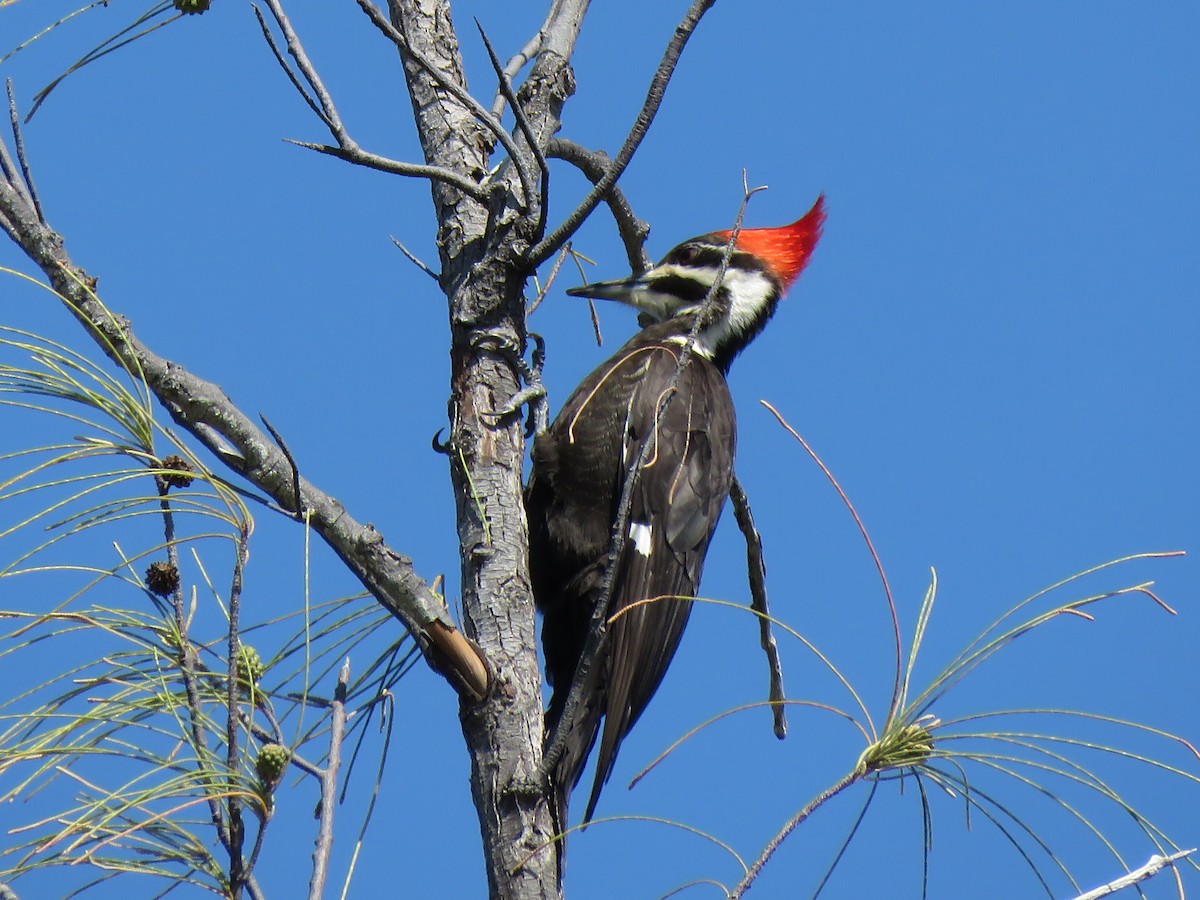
<point x="757" y="570"/>
<point x="654" y="96"/>
<point x="594" y="165"/>
<point x="457" y="91"/>
<point x="370" y="160"/>
<point x="326" y="110"/>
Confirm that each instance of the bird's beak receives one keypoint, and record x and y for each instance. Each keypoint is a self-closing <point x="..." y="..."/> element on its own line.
<point x="638" y="292"/>
<point x="623" y="291"/>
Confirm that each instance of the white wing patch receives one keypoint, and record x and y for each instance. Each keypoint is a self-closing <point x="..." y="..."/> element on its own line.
<point x="640" y="535"/>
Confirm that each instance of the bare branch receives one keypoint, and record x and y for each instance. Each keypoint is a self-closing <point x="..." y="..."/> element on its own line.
<point x="412" y="258"/>
<point x="370" y="160"/>
<point x="545" y="288"/>
<point x="202" y="408"/>
<point x="543" y="199"/>
<point x="287" y="70"/>
<point x="658" y="87"/>
<point x="238" y="873"/>
<point x="28" y="189"/>
<point x="347" y="148"/>
<point x="328" y="111"/>
<point x="1153" y="866"/>
<point x="536" y="44"/>
<point x="757" y="569"/>
<point x="788" y="827"/>
<point x="329" y="776"/>
<point x="457" y="91"/>
<point x="594" y="164"/>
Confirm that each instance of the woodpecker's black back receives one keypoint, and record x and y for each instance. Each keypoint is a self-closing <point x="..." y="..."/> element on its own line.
<point x="579" y="470"/>
<point x="582" y="462"/>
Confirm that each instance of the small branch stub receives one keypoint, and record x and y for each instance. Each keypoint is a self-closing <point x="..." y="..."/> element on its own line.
<point x="464" y="665"/>
<point x="1152" y="867"/>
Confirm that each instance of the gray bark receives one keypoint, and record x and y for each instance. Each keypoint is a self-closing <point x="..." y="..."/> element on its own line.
<point x="484" y="275"/>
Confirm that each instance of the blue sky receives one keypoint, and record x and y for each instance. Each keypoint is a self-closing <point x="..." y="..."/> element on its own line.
<point x="993" y="349"/>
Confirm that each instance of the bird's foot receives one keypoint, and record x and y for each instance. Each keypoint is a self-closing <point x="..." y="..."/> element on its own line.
<point x="530" y="371"/>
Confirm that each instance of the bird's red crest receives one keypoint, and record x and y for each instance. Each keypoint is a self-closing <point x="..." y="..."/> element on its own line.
<point x="785" y="249"/>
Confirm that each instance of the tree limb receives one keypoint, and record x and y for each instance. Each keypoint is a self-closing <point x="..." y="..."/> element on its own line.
<point x="201" y="408"/>
<point x="347" y="148"/>
<point x="369" y="160"/>
<point x="460" y="93"/>
<point x="1153" y="866"/>
<point x="594" y="164"/>
<point x="654" y="96"/>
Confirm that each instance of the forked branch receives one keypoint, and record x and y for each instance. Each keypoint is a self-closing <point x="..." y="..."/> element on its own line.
<point x="202" y="408"/>
<point x="594" y="164"/>
<point x="321" y="103"/>
<point x="654" y="96"/>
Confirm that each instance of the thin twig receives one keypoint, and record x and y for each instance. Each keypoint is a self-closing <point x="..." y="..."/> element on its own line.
<point x="30" y="190"/>
<point x="329" y="113"/>
<point x="788" y="827"/>
<point x="757" y="571"/>
<point x="654" y="96"/>
<point x="287" y="70"/>
<point x="543" y="199"/>
<point x="412" y="258"/>
<point x="454" y="89"/>
<point x="329" y="777"/>
<point x="545" y="288"/>
<point x="8" y="169"/>
<point x="298" y="507"/>
<point x="594" y="165"/>
<point x="370" y="160"/>
<point x="347" y="148"/>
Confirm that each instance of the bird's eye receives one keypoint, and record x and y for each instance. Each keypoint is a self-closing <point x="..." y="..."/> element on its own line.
<point x="686" y="255"/>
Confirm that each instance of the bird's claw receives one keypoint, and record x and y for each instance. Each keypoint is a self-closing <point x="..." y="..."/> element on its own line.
<point x="535" y="396"/>
<point x="530" y="371"/>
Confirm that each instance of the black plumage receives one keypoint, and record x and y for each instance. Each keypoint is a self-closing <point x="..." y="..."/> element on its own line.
<point x="582" y="462"/>
<point x="572" y="500"/>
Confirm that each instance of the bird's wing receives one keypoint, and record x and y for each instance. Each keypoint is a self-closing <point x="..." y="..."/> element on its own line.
<point x="676" y="504"/>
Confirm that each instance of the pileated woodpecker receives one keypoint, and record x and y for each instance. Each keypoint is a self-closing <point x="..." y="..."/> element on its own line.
<point x="581" y="464"/>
